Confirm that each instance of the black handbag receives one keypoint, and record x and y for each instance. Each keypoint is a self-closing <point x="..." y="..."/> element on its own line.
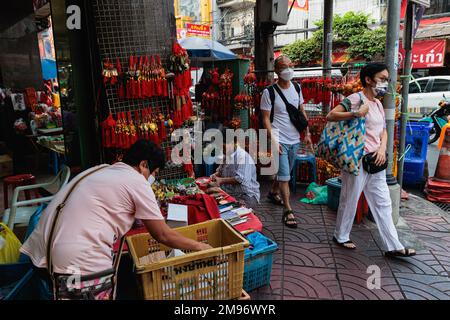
<point x="369" y="165"/>
<point x="297" y="117"/>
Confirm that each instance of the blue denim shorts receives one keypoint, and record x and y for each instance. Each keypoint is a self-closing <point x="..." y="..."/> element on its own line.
<point x="287" y="161"/>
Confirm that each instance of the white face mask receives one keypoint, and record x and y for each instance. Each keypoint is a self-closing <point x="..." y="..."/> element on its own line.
<point x="287" y="74"/>
<point x="381" y="88"/>
<point x="151" y="179"/>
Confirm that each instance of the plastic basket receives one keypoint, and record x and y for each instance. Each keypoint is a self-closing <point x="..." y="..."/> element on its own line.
<point x="417" y="135"/>
<point x="258" y="265"/>
<point x="334" y="192"/>
<point x="16" y="282"/>
<point x="413" y="171"/>
<point x="215" y="274"/>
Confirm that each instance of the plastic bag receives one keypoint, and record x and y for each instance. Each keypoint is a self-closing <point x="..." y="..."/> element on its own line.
<point x="9" y="246"/>
<point x="316" y="194"/>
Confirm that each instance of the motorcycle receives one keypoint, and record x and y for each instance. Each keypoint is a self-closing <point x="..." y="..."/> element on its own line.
<point x="439" y="118"/>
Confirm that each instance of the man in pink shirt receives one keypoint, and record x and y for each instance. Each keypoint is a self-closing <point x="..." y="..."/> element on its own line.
<point x="99" y="211"/>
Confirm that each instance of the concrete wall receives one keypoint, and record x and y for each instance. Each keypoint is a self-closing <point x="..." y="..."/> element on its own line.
<point x="20" y="62"/>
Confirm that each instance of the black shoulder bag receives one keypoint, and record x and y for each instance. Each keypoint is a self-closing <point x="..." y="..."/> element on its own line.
<point x="297" y="117"/>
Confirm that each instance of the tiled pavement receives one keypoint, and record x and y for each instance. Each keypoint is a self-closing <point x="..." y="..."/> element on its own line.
<point x="308" y="265"/>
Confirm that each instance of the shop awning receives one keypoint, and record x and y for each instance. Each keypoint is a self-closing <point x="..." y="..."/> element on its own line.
<point x="205" y="49"/>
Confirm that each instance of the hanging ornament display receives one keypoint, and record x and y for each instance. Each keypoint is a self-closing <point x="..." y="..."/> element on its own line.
<point x="179" y="66"/>
<point x="109" y="73"/>
<point x="109" y="132"/>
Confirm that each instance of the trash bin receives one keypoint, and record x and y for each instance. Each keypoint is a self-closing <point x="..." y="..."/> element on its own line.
<point x="417" y="135"/>
<point x="334" y="192"/>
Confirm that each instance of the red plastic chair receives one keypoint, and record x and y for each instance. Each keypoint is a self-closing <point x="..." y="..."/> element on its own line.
<point x="18" y="181"/>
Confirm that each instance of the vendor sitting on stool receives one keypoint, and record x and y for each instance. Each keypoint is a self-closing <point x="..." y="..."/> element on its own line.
<point x="237" y="174"/>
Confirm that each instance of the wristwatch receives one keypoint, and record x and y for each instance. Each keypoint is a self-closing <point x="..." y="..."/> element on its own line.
<point x="355" y="114"/>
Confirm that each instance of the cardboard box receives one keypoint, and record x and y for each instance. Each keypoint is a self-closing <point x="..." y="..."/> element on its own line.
<point x="6" y="166"/>
<point x="177" y="216"/>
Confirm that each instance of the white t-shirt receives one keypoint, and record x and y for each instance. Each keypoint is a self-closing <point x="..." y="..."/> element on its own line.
<point x="287" y="133"/>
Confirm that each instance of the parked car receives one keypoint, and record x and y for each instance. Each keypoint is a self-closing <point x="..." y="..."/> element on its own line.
<point x="426" y="93"/>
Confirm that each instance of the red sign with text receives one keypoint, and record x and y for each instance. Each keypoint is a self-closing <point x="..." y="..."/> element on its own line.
<point x="198" y="30"/>
<point x="300" y="4"/>
<point x="425" y="54"/>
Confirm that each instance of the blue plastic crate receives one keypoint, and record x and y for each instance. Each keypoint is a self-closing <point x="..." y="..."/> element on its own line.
<point x="16" y="282"/>
<point x="258" y="262"/>
<point x="417" y="135"/>
<point x="413" y="170"/>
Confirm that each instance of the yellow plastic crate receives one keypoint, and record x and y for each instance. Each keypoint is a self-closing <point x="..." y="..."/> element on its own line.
<point x="215" y="274"/>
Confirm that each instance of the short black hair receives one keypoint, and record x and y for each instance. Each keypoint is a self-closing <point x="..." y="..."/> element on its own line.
<point x="370" y="70"/>
<point x="145" y="150"/>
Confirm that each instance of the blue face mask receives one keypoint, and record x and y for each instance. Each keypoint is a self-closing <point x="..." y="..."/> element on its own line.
<point x="151" y="179"/>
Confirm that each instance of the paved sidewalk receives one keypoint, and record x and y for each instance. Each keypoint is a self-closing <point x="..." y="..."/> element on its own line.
<point x="311" y="266"/>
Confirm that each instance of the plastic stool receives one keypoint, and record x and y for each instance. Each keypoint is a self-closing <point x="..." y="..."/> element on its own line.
<point x="16" y="181"/>
<point x="303" y="158"/>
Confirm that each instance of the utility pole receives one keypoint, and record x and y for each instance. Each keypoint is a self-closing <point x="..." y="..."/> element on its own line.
<point x="327" y="41"/>
<point x="264" y="43"/>
<point x="407" y="44"/>
<point x="391" y="59"/>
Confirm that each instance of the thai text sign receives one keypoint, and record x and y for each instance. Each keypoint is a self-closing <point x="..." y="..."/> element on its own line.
<point x="426" y="54"/>
<point x="198" y="30"/>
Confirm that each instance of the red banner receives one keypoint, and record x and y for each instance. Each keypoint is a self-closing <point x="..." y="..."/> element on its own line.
<point x="198" y="30"/>
<point x="426" y="54"/>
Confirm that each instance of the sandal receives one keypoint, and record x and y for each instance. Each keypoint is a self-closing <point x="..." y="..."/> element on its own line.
<point x="288" y="221"/>
<point x="275" y="198"/>
<point x="407" y="252"/>
<point x="345" y="244"/>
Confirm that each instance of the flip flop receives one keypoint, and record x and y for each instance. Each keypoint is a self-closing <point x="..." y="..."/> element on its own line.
<point x="286" y="220"/>
<point x="343" y="244"/>
<point x="275" y="199"/>
<point x="409" y="252"/>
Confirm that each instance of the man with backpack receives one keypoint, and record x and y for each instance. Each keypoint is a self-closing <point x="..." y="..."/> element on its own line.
<point x="278" y="104"/>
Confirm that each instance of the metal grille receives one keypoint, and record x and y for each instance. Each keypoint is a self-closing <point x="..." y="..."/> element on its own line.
<point x="139" y="28"/>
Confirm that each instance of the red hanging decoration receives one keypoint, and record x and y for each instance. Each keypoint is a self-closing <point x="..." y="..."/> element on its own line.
<point x="108" y="132"/>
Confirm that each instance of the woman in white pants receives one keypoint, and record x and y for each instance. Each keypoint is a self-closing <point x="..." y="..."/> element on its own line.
<point x="374" y="78"/>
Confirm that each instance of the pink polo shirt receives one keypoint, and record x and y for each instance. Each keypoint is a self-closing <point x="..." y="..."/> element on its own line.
<point x="100" y="210"/>
<point x="375" y="121"/>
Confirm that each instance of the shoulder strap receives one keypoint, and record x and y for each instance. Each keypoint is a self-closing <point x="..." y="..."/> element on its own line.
<point x="297" y="86"/>
<point x="281" y="94"/>
<point x="272" y="100"/>
<point x="56" y="216"/>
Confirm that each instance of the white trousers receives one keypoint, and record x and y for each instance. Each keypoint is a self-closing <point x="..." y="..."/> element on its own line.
<point x="378" y="198"/>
